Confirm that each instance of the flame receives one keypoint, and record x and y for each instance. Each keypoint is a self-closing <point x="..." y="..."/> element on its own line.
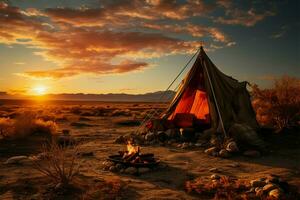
<point x="132" y="149"/>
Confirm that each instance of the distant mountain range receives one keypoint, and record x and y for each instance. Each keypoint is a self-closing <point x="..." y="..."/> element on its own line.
<point x="159" y="96"/>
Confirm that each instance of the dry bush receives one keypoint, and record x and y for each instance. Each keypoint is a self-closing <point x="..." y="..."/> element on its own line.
<point x="60" y="162"/>
<point x="26" y="124"/>
<point x="224" y="188"/>
<point x="278" y="106"/>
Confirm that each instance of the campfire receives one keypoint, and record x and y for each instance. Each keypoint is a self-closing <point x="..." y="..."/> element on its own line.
<point x="131" y="161"/>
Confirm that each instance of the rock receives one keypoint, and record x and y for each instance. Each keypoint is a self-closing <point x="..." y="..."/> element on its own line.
<point x="120" y="140"/>
<point x="162" y="136"/>
<point x="214" y="170"/>
<point x="224" y="153"/>
<point x="215" y="177"/>
<point x="178" y="145"/>
<point x="259" y="192"/>
<point x="119" y="166"/>
<point x="131" y="170"/>
<point x="199" y="145"/>
<point x="113" y="169"/>
<point x="185" y="145"/>
<point x="172" y="133"/>
<point x="211" y="150"/>
<point x="269" y="187"/>
<point x="276" y="193"/>
<point x="251" y="153"/>
<point x="257" y="183"/>
<point x="149" y="136"/>
<point x="232" y="147"/>
<point x="17" y="160"/>
<point x="143" y="170"/>
<point x="191" y="144"/>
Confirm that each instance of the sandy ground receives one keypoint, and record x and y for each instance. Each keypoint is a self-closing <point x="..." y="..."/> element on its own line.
<point x="167" y="183"/>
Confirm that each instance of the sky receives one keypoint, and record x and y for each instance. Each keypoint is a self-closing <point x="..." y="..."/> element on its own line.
<point x="139" y="46"/>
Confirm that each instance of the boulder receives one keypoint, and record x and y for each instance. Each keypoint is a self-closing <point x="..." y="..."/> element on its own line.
<point x="257" y="183"/>
<point x="17" y="160"/>
<point x="130" y="170"/>
<point x="252" y="153"/>
<point x="224" y="153"/>
<point x="232" y="147"/>
<point x="267" y="188"/>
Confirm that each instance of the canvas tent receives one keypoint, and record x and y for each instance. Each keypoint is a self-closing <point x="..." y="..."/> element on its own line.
<point x="212" y="98"/>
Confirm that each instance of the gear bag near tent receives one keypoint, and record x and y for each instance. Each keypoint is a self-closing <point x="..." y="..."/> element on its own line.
<point x="209" y="100"/>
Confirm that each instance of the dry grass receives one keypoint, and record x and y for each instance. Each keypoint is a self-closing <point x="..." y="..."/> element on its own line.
<point x="60" y="163"/>
<point x="26" y="124"/>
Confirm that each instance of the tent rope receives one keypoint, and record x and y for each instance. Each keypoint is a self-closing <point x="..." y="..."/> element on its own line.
<point x="152" y="113"/>
<point x="213" y="92"/>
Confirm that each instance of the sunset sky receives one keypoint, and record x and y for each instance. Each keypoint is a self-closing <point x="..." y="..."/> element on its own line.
<point x="136" y="46"/>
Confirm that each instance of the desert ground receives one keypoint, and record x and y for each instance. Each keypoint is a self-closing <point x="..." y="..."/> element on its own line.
<point x="96" y="125"/>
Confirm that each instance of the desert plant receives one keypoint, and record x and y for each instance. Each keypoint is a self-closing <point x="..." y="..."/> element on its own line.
<point x="60" y="162"/>
<point x="278" y="106"/>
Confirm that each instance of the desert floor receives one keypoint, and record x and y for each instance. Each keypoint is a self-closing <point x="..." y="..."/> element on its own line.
<point x="98" y="133"/>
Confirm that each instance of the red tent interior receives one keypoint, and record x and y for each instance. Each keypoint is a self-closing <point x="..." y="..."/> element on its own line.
<point x="193" y="105"/>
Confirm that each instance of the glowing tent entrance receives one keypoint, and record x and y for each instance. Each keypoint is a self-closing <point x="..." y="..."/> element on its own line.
<point x="207" y="97"/>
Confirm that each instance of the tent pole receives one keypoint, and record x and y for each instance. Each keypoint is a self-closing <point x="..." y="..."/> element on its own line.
<point x="213" y="92"/>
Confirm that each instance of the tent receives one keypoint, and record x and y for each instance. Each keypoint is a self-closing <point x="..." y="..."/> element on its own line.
<point x="211" y="98"/>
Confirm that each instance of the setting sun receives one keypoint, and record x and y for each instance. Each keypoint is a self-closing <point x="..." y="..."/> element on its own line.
<point x="39" y="90"/>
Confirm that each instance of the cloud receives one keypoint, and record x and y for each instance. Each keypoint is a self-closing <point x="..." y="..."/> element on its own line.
<point x="235" y="15"/>
<point x="283" y="30"/>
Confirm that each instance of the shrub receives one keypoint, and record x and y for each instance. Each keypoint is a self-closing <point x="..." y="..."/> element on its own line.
<point x="60" y="162"/>
<point x="278" y="106"/>
<point x="25" y="125"/>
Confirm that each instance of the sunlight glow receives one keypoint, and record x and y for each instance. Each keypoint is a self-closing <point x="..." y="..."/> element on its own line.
<point x="39" y="90"/>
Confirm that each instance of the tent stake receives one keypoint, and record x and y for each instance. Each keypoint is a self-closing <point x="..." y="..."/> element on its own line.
<point x="213" y="92"/>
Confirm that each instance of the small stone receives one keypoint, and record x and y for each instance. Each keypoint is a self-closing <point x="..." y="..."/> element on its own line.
<point x="172" y="133"/>
<point x="144" y="170"/>
<point x="119" y="166"/>
<point x="211" y="150"/>
<point x="122" y="170"/>
<point x="276" y="193"/>
<point x="17" y="160"/>
<point x="113" y="169"/>
<point x="199" y="145"/>
<point x="232" y="147"/>
<point x="214" y="170"/>
<point x="224" y="153"/>
<point x="215" y="177"/>
<point x="131" y="170"/>
<point x="259" y="192"/>
<point x="257" y="183"/>
<point x="185" y="145"/>
<point x="251" y="153"/>
<point x="149" y="136"/>
<point x="178" y="145"/>
<point x="269" y="187"/>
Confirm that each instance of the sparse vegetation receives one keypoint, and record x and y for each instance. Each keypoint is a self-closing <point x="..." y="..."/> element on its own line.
<point x="25" y="125"/>
<point x="60" y="163"/>
<point x="278" y="106"/>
